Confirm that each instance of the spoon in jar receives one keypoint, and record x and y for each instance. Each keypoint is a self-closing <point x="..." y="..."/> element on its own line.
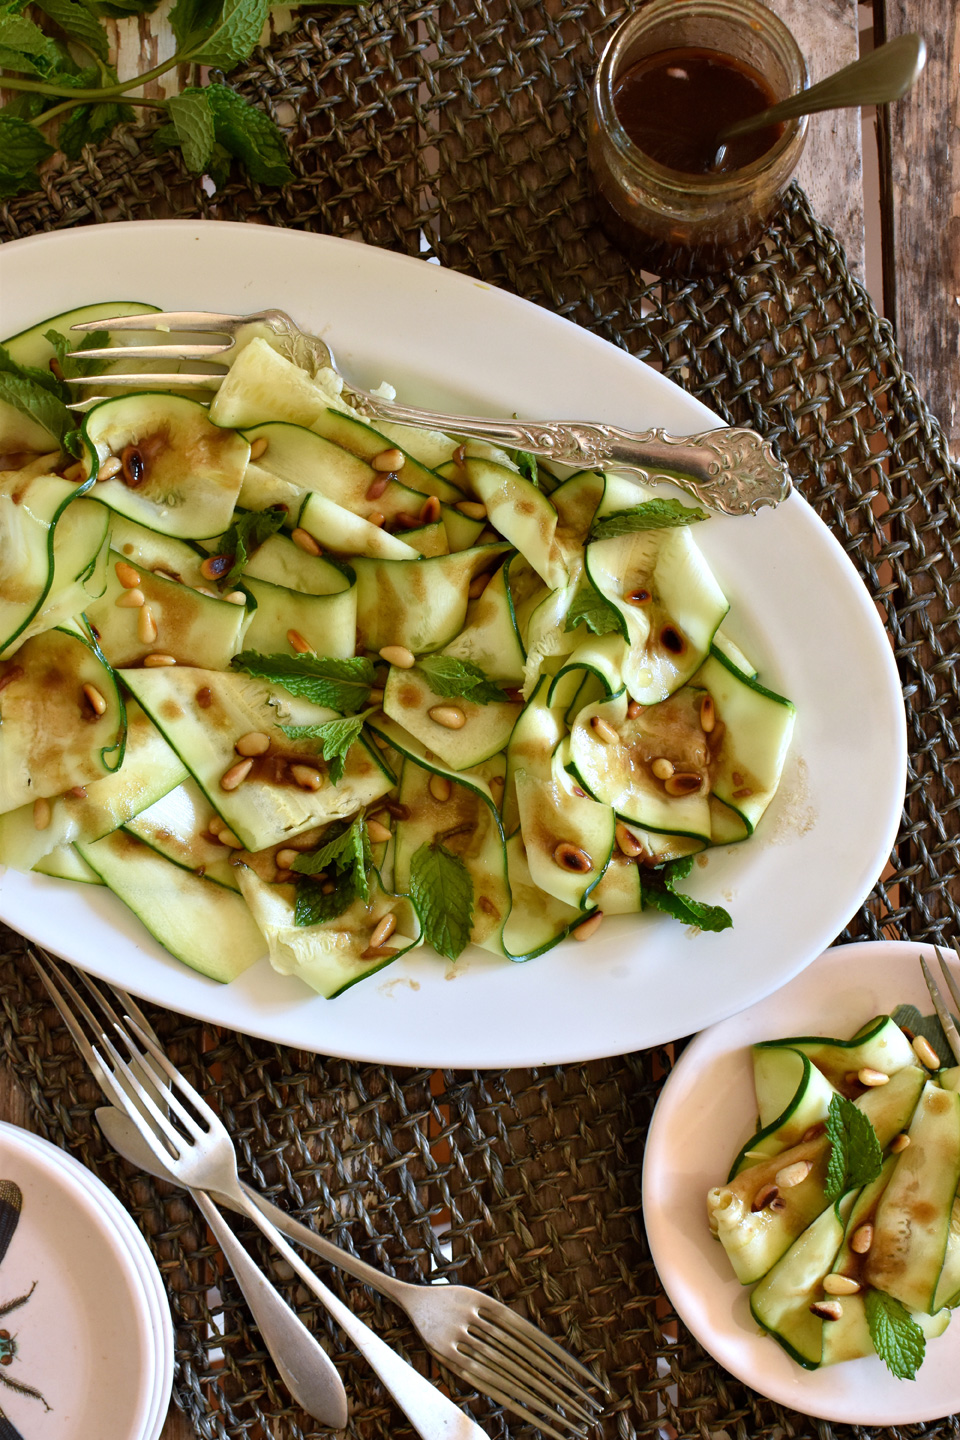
<point x="885" y="74"/>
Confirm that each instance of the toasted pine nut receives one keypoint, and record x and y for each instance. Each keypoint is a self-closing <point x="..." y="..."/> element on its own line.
<point x="827" y="1309"/>
<point x="899" y="1143"/>
<point x="404" y="520"/>
<point x="813" y="1132"/>
<point x="235" y="597"/>
<point x="146" y="626"/>
<point x="708" y="714"/>
<point x="255" y="742"/>
<point x="378" y="833"/>
<point x="129" y="600"/>
<point x="633" y="709"/>
<point x="109" y="467"/>
<point x="376" y="487"/>
<point x="236" y="775"/>
<point x="764" y="1195"/>
<point x="399" y="656"/>
<point x="925" y="1053"/>
<point x="571" y="857"/>
<point x="497" y="782"/>
<point x="202" y="590"/>
<point x="472" y="509"/>
<point x="305" y="541"/>
<point x="662" y="768"/>
<point x="78" y="792"/>
<point x="126" y="574"/>
<point x="389" y="460"/>
<point x="430" y="511"/>
<point x="793" y="1174"/>
<point x="307" y="777"/>
<point x="298" y="643"/>
<point x="603" y="730"/>
<point x="285" y="858"/>
<point x="638" y="597"/>
<point x="96" y="700"/>
<point x="868" y="1076"/>
<point x="477" y="585"/>
<point x="283" y="877"/>
<point x="74" y="472"/>
<point x="627" y="843"/>
<point x="588" y="927"/>
<point x="382" y="931"/>
<point x="440" y="787"/>
<point x="861" y="1239"/>
<point x="42" y="814"/>
<point x="216" y="825"/>
<point x="258" y="447"/>
<point x="451" y="717"/>
<point x="840" y="1285"/>
<point x="157" y="659"/>
<point x="682" y="783"/>
<point x="376" y="517"/>
<point x="216" y="566"/>
<point x="227" y="837"/>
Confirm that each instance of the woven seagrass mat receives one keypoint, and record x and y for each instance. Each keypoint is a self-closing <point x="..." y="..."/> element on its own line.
<point x="456" y="129"/>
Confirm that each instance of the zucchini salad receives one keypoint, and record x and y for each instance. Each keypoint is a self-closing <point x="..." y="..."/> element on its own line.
<point x="284" y="682"/>
<point x="842" y="1208"/>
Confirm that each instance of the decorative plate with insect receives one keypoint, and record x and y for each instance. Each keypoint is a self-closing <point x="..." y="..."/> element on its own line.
<point x="77" y="1351"/>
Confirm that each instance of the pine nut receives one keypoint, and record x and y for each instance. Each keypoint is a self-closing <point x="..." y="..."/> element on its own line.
<point x="627" y="843"/>
<point x="403" y="520"/>
<point x="791" y="1175"/>
<point x="255" y="742"/>
<point x="216" y="825"/>
<point x="682" y="783"/>
<point x="109" y="467"/>
<point x="764" y="1195"/>
<point x="236" y="775"/>
<point x="202" y="590"/>
<point x="813" y="1132"/>
<point x="868" y="1076"/>
<point x="146" y="626"/>
<point x="383" y="930"/>
<point x="440" y="787"/>
<point x="925" y="1053"/>
<point x="74" y="472"/>
<point x="571" y="857"/>
<point x="227" y="837"/>
<point x="633" y="709"/>
<point x="708" y="715"/>
<point x="638" y="597"/>
<point x="157" y="659"/>
<point x="258" y="447"/>
<point x="216" y="566"/>
<point x="603" y="730"/>
<point x="840" y="1285"/>
<point x="389" y="460"/>
<point x="827" y="1309"/>
<point x="430" y="511"/>
<point x="376" y="518"/>
<point x="307" y="777"/>
<point x="662" y="768"/>
<point x="42" y="814"/>
<point x="588" y="927"/>
<point x="285" y="858"/>
<point x="899" y="1143"/>
<point x="376" y="487"/>
<point x="861" y="1239"/>
<point x="305" y="541"/>
<point x="497" y="782"/>
<point x="283" y="877"/>
<point x="95" y="699"/>
<point x="126" y="574"/>
<point x="297" y="642"/>
<point x="477" y="586"/>
<point x="129" y="600"/>
<point x="79" y="792"/>
<point x="472" y="509"/>
<point x="378" y="833"/>
<point x="236" y="597"/>
<point x="451" y="717"/>
<point x="399" y="656"/>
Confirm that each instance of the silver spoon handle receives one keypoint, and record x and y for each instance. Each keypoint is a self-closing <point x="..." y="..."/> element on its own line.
<point x="730" y="470"/>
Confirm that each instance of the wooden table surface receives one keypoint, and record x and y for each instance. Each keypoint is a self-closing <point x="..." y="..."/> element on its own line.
<point x="905" y="241"/>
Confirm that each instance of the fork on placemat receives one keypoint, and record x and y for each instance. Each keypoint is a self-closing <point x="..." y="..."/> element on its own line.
<point x="947" y="1021"/>
<point x="480" y="1339"/>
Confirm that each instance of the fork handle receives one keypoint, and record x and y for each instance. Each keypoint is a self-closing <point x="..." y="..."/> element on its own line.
<point x="734" y="471"/>
<point x="432" y="1415"/>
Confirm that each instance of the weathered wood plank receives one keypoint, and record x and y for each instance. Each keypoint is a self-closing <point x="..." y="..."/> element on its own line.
<point x="831" y="170"/>
<point x="920" y="195"/>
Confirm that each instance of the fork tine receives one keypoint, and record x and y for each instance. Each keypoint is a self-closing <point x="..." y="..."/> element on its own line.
<point x="166" y="320"/>
<point x="144" y="1064"/>
<point x="943" y="1014"/>
<point x="536" y="1385"/>
<point x="539" y="1368"/>
<point x="516" y="1325"/>
<point x="149" y="379"/>
<point x="100" y="1072"/>
<point x="948" y="976"/>
<point x="488" y="1383"/>
<point x="173" y="351"/>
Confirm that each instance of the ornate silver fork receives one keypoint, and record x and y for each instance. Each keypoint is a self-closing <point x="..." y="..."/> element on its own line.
<point x="479" y="1339"/>
<point x="734" y="471"/>
<point x="939" y="1004"/>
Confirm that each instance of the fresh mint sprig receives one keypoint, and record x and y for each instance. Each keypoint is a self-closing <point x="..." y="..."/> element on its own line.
<point x="659" y="514"/>
<point x="659" y="892"/>
<point x="347" y="853"/>
<point x="460" y="679"/>
<point x="337" y="738"/>
<point x="442" y="891"/>
<point x="342" y="685"/>
<point x="896" y="1336"/>
<point x="590" y="608"/>
<point x="247" y="533"/>
<point x="855" y="1154"/>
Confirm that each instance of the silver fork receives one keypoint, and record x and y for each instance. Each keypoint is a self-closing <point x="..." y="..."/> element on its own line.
<point x="501" y="1354"/>
<point x="734" y="471"/>
<point x="939" y="1004"/>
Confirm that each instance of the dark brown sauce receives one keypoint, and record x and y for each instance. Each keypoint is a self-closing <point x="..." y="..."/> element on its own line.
<point x="673" y="105"/>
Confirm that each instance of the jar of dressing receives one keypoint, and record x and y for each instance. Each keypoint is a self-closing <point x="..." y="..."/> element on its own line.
<point x="673" y="75"/>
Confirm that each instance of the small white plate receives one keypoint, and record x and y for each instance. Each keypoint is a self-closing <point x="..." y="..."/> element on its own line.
<point x="704" y="1114"/>
<point x="84" y="1337"/>
<point x="154" y="1292"/>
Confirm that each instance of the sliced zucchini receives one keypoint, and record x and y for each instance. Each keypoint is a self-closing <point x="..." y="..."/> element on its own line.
<point x="880" y="1045"/>
<point x="522" y="514"/>
<point x="265" y="385"/>
<point x="407" y="746"/>
<point x="781" y="1302"/>
<point x="178" y="826"/>
<point x="532" y="745"/>
<point x="537" y="922"/>
<point x="490" y="637"/>
<point x="64" y="863"/>
<point x="148" y="549"/>
<point x="408" y="699"/>
<point x="730" y="653"/>
<point x="598" y="656"/>
<point x="280" y="562"/>
<point x="792" y="1096"/>
<point x="328" y="623"/>
<point x="419" y="604"/>
<point x="31" y="347"/>
<point x="619" y="891"/>
<point x="338" y="529"/>
<point x="568" y="838"/>
<point x="757" y="726"/>
<point x="362" y="440"/>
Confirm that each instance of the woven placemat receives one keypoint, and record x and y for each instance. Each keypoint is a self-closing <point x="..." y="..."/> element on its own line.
<point x="456" y="130"/>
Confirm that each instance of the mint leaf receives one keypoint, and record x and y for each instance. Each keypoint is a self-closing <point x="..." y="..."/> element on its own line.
<point x="462" y="679"/>
<point x="247" y="533"/>
<point x="589" y="608"/>
<point x="234" y="35"/>
<point x="336" y="737"/>
<point x="70" y="366"/>
<point x="855" y="1154"/>
<point x="90" y="124"/>
<point x="908" y="1017"/>
<point x="31" y="373"/>
<point x="442" y="891"/>
<point x="342" y="685"/>
<point x="527" y="465"/>
<point x="249" y="136"/>
<point x="37" y="402"/>
<point x="190" y="20"/>
<point x="22" y="149"/>
<point x="659" y="892"/>
<point x="20" y="36"/>
<point x="119" y="9"/>
<point x="896" y="1336"/>
<point x="72" y="442"/>
<point x="651" y="515"/>
<point x="313" y="907"/>
<point x="76" y="21"/>
<point x="193" y="121"/>
<point x="348" y="855"/>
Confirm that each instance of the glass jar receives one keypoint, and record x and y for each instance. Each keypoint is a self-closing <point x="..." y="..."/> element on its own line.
<point x="671" y="221"/>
